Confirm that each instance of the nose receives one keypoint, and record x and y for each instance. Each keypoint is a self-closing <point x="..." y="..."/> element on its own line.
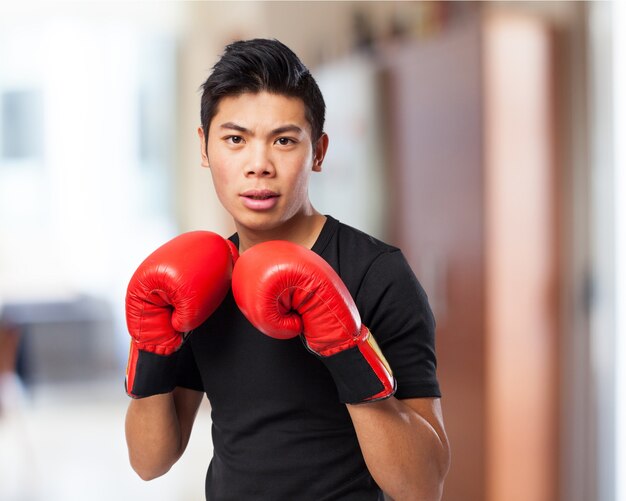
<point x="260" y="163"/>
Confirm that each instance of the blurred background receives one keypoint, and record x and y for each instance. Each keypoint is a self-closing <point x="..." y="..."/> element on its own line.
<point x="485" y="139"/>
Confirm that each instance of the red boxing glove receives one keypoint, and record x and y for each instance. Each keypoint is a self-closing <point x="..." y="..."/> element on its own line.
<point x="285" y="290"/>
<point x="174" y="290"/>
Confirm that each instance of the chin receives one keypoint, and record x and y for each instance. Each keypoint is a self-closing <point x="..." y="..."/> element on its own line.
<point x="259" y="222"/>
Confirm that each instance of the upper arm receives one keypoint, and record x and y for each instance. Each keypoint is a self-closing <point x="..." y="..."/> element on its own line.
<point x="395" y="307"/>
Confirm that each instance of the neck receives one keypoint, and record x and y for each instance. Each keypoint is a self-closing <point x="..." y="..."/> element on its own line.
<point x="302" y="229"/>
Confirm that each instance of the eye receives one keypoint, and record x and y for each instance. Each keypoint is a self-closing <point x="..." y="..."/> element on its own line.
<point x="234" y="139"/>
<point x="285" y="141"/>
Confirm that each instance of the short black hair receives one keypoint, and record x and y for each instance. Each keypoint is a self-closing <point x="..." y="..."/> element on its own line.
<point x="259" y="65"/>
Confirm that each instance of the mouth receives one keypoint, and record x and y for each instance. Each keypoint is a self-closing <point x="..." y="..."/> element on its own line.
<point x="259" y="194"/>
<point x="259" y="200"/>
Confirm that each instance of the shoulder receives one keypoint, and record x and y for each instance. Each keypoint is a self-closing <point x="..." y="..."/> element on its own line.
<point x="363" y="242"/>
<point x="341" y="240"/>
<point x="357" y="256"/>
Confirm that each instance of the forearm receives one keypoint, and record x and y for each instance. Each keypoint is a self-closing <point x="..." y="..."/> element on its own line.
<point x="158" y="430"/>
<point x="406" y="454"/>
<point x="152" y="435"/>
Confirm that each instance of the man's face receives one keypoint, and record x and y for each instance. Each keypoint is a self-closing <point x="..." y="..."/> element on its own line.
<point x="260" y="154"/>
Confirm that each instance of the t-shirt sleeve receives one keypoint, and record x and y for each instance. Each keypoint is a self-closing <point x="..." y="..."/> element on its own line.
<point x="187" y="373"/>
<point x="395" y="307"/>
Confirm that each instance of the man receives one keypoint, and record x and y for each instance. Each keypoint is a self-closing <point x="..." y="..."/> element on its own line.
<point x="328" y="416"/>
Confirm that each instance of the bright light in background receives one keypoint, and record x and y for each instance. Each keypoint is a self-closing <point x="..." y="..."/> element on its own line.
<point x="619" y="140"/>
<point x="88" y="126"/>
<point x="86" y="155"/>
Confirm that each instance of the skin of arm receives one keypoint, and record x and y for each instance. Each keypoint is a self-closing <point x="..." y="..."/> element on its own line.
<point x="405" y="446"/>
<point x="158" y="430"/>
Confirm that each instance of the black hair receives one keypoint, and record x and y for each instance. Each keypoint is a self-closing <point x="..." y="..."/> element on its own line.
<point x="262" y="65"/>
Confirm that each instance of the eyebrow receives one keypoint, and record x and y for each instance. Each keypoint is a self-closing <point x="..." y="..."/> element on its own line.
<point x="233" y="126"/>
<point x="287" y="128"/>
<point x="279" y="130"/>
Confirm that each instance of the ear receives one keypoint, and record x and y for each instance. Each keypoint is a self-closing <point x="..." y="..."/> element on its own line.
<point x="320" y="152"/>
<point x="203" y="148"/>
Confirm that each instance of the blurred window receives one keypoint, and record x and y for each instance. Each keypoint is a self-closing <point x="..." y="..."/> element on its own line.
<point x="87" y="143"/>
<point x="21" y="134"/>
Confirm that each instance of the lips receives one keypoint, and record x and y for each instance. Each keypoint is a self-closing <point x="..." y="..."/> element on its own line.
<point x="259" y="194"/>
<point x="259" y="199"/>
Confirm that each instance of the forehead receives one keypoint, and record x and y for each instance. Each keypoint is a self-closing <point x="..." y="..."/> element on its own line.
<point x="262" y="109"/>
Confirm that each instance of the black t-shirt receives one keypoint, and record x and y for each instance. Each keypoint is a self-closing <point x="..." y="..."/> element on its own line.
<point x="279" y="431"/>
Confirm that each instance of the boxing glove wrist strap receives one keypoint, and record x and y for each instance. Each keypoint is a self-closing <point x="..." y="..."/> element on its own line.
<point x="361" y="373"/>
<point x="149" y="373"/>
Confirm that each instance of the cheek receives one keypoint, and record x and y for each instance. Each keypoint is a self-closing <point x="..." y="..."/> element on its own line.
<point x="220" y="167"/>
<point x="300" y="183"/>
<point x="303" y="181"/>
<point x="221" y="182"/>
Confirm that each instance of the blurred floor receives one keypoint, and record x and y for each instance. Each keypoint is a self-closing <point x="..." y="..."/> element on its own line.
<point x="66" y="442"/>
